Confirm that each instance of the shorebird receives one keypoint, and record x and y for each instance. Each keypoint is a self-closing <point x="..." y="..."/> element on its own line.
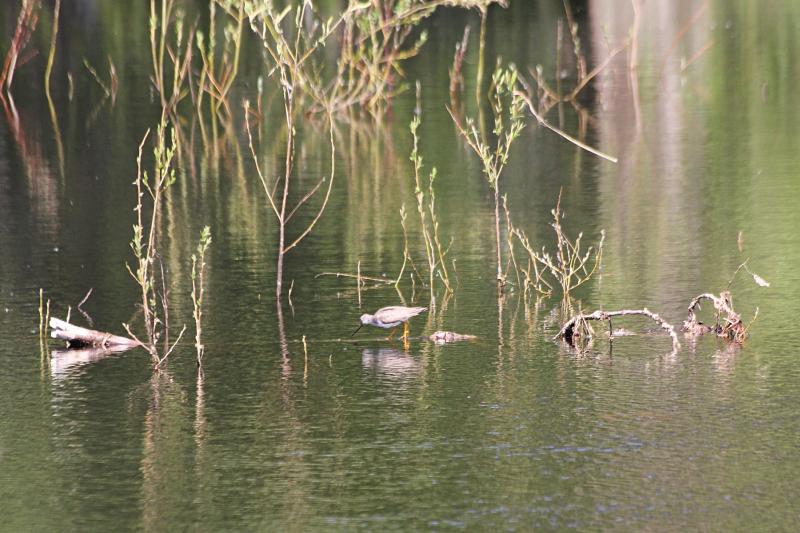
<point x="391" y="317"/>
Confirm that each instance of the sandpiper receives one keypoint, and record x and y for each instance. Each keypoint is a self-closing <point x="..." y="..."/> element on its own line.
<point x="391" y="317"/>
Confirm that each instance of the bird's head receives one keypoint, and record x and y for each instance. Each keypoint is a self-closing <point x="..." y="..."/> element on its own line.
<point x="365" y="319"/>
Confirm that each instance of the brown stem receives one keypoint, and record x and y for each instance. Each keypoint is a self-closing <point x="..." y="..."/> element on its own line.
<point x="500" y="277"/>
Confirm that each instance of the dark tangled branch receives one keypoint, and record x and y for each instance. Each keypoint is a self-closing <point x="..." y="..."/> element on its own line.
<point x="729" y="326"/>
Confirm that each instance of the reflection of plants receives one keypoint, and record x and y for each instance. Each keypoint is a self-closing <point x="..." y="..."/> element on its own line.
<point x="155" y="300"/>
<point x="177" y="50"/>
<point x="219" y="71"/>
<point x="372" y="39"/>
<point x="507" y="110"/>
<point x="26" y="24"/>
<point x="198" y="289"/>
<point x="110" y="88"/>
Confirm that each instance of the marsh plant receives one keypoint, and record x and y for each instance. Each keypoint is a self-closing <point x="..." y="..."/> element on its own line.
<point x="429" y="225"/>
<point x="148" y="266"/>
<point x="570" y="265"/>
<point x="198" y="290"/>
<point x="507" y="110"/>
<point x="278" y="200"/>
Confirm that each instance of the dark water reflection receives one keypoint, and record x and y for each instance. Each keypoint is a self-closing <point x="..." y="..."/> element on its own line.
<point x="511" y="431"/>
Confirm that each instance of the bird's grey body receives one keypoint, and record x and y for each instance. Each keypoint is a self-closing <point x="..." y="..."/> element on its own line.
<point x="390" y="317"/>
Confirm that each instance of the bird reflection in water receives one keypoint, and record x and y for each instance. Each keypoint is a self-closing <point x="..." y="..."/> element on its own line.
<point x="389" y="362"/>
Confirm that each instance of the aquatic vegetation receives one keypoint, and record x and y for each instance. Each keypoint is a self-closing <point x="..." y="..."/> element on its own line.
<point x="279" y="204"/>
<point x="548" y="96"/>
<point x="198" y="289"/>
<point x="44" y="319"/>
<point x="569" y="265"/>
<point x="154" y="299"/>
<point x="51" y="55"/>
<point x="532" y="281"/>
<point x="455" y="72"/>
<point x="507" y="110"/>
<point x="429" y="225"/>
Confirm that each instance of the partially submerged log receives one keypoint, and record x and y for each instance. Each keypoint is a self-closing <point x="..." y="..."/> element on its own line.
<point x="445" y="337"/>
<point x="729" y="326"/>
<point x="578" y="326"/>
<point x="78" y="337"/>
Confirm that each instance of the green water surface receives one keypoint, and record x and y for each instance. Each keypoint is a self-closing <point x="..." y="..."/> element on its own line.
<point x="513" y="431"/>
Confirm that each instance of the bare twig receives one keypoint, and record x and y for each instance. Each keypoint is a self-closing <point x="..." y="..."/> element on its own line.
<point x="563" y="134"/>
<point x="85" y="298"/>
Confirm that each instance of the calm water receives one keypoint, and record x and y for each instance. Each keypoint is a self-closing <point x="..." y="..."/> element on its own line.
<point x="513" y="431"/>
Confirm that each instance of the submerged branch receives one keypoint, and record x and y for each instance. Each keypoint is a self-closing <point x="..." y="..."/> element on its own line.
<point x="571" y="329"/>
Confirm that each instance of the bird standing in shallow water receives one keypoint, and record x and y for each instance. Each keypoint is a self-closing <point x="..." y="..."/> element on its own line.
<point x="391" y="317"/>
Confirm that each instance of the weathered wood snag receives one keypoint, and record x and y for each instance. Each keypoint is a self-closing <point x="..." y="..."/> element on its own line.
<point x="578" y="326"/>
<point x="78" y="337"/>
<point x="729" y="326"/>
<point x="63" y="362"/>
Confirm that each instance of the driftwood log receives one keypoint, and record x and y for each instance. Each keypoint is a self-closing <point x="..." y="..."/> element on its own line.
<point x="572" y="328"/>
<point x="78" y="337"/>
<point x="729" y="326"/>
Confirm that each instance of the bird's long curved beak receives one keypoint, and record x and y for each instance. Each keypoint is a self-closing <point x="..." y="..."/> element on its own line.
<point x="356" y="331"/>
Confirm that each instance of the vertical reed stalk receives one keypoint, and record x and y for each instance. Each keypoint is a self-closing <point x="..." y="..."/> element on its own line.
<point x="281" y="211"/>
<point x="144" y="242"/>
<point x="198" y="289"/>
<point x="426" y="206"/>
<point x="481" y="60"/>
<point x="507" y="109"/>
<point x="358" y="282"/>
<point x="42" y="323"/>
<point x="44" y="320"/>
